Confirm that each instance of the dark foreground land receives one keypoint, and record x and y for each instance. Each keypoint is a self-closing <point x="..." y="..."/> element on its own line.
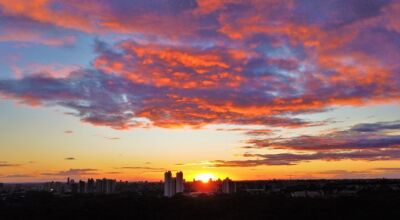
<point x="42" y="205"/>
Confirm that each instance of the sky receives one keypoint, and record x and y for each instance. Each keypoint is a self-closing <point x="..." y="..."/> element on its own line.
<point x="246" y="89"/>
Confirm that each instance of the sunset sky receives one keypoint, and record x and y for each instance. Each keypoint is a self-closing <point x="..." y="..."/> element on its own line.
<point x="252" y="89"/>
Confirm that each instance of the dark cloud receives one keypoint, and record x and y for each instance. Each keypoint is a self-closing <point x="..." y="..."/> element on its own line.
<point x="376" y="127"/>
<point x="6" y="164"/>
<point x="360" y="136"/>
<point x="294" y="158"/>
<point x="68" y="132"/>
<point x="389" y="172"/>
<point x="366" y="141"/>
<point x="70" y="158"/>
<point x="346" y="174"/>
<point x="73" y="172"/>
<point x="17" y="176"/>
<point x="153" y="169"/>
<point x="113" y="172"/>
<point x="389" y="169"/>
<point x="249" y="131"/>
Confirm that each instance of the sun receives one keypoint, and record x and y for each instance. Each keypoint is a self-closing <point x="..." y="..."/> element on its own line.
<point x="205" y="177"/>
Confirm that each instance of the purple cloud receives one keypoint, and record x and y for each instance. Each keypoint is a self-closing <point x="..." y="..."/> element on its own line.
<point x="360" y="136"/>
<point x="295" y="158"/>
<point x="366" y="141"/>
<point x="201" y="62"/>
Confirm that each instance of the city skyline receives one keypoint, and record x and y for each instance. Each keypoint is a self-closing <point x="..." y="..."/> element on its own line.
<point x="246" y="89"/>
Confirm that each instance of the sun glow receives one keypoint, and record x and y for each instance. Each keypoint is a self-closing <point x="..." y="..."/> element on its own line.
<point x="205" y="177"/>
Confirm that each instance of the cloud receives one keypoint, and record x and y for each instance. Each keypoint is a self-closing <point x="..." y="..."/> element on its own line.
<point x="111" y="100"/>
<point x="388" y="172"/>
<point x="55" y="70"/>
<point x="112" y="138"/>
<point x="96" y="97"/>
<point x="23" y="30"/>
<point x="68" y="132"/>
<point x="151" y="169"/>
<point x="109" y="138"/>
<point x="17" y="176"/>
<point x="113" y="172"/>
<point x="376" y="127"/>
<point x="70" y="158"/>
<point x="6" y="164"/>
<point x="366" y="142"/>
<point x="360" y="136"/>
<point x="248" y="131"/>
<point x="105" y="16"/>
<point x="200" y="63"/>
<point x="73" y="172"/>
<point x="389" y="169"/>
<point x="296" y="158"/>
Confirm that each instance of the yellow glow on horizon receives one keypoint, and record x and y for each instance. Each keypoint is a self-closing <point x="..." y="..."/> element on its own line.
<point x="205" y="177"/>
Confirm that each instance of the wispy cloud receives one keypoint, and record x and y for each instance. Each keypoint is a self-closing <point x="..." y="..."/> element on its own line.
<point x="152" y="169"/>
<point x="73" y="172"/>
<point x="6" y="164"/>
<point x="360" y="136"/>
<point x="17" y="176"/>
<point x="70" y="158"/>
<point x="111" y="138"/>
<point x="366" y="141"/>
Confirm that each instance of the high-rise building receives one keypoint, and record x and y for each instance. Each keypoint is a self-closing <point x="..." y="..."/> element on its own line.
<point x="99" y="186"/>
<point x="179" y="182"/>
<point x="105" y="185"/>
<point x="228" y="186"/>
<point x="110" y="185"/>
<point x="173" y="185"/>
<point x="168" y="184"/>
<point x="82" y="186"/>
<point x="90" y="185"/>
<point x="74" y="187"/>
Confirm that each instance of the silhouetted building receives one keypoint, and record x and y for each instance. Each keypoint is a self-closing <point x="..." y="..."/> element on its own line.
<point x="99" y="186"/>
<point x="105" y="185"/>
<point x="179" y="182"/>
<point x="109" y="185"/>
<point x="228" y="186"/>
<point x="90" y="186"/>
<point x="173" y="185"/>
<point x="74" y="187"/>
<point x="168" y="184"/>
<point x="82" y="187"/>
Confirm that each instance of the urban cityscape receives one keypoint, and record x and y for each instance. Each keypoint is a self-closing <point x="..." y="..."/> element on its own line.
<point x="343" y="198"/>
<point x="178" y="186"/>
<point x="199" y="109"/>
